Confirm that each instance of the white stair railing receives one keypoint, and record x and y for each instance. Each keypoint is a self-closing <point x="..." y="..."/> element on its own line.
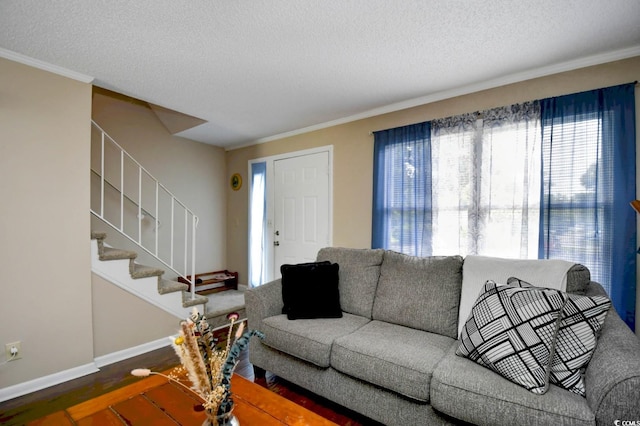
<point x="139" y="207"/>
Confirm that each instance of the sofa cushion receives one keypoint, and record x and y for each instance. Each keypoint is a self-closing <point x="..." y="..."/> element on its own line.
<point x="394" y="357"/>
<point x="581" y="320"/>
<point x="308" y="339"/>
<point x="420" y="292"/>
<point x="359" y="272"/>
<point x="613" y="374"/>
<point x="578" y="278"/>
<point x="310" y="290"/>
<point x="512" y="331"/>
<point x="478" y="269"/>
<point x="467" y="391"/>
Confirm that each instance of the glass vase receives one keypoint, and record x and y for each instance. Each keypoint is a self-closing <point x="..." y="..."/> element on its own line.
<point x="225" y="419"/>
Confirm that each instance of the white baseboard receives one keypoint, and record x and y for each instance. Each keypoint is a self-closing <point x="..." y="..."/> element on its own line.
<point x="46" y="381"/>
<point x="118" y="356"/>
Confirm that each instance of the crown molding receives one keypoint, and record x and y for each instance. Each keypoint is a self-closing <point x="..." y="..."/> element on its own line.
<point x="588" y="61"/>
<point x="36" y="63"/>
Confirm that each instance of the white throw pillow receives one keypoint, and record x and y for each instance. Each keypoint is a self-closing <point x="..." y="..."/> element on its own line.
<point x="511" y="330"/>
<point x="581" y="321"/>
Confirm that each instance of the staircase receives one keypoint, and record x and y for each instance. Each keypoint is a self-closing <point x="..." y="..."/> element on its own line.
<point x="136" y="206"/>
<point x="119" y="267"/>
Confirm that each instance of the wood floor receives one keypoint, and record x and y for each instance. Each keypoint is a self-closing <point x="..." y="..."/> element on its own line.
<point x="21" y="410"/>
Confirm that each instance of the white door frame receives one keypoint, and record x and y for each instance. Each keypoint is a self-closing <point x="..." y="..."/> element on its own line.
<point x="269" y="256"/>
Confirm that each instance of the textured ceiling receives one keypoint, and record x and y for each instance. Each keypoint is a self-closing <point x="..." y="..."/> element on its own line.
<point x="255" y="69"/>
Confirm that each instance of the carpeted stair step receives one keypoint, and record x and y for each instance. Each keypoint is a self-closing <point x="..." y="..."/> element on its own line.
<point x="170" y="286"/>
<point x="98" y="235"/>
<point x="110" y="253"/>
<point x="198" y="300"/>
<point x="137" y="270"/>
<point x="141" y="271"/>
<point x="225" y="302"/>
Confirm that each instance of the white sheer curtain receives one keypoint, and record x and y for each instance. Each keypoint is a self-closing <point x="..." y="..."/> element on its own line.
<point x="486" y="182"/>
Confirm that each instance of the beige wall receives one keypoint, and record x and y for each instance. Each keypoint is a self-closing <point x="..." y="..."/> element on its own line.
<point x="194" y="172"/>
<point x="45" y="291"/>
<point x="353" y="150"/>
<point x="137" y="322"/>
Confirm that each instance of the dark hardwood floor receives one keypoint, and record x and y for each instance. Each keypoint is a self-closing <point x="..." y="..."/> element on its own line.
<point x="21" y="410"/>
<point x="317" y="404"/>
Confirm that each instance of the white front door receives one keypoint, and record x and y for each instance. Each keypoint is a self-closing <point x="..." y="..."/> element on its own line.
<point x="301" y="208"/>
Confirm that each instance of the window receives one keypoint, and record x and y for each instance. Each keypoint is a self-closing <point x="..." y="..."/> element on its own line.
<point x="258" y="225"/>
<point x="402" y="190"/>
<point x="486" y="172"/>
<point x="543" y="179"/>
<point x="575" y="202"/>
<point x="589" y="174"/>
<point x="468" y="186"/>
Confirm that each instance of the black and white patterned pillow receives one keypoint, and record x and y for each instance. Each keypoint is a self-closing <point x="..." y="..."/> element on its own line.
<point x="581" y="321"/>
<point x="511" y="330"/>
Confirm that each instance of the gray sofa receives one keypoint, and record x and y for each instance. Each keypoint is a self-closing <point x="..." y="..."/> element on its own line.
<point x="391" y="357"/>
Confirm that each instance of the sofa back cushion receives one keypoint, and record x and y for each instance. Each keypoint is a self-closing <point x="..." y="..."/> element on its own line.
<point x="551" y="273"/>
<point x="578" y="278"/>
<point x="420" y="292"/>
<point x="359" y="273"/>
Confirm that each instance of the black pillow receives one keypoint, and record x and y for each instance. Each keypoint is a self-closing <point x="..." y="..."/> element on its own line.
<point x="310" y="290"/>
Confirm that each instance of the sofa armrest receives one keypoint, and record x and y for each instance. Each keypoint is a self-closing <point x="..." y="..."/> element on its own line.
<point x="612" y="378"/>
<point x="263" y="302"/>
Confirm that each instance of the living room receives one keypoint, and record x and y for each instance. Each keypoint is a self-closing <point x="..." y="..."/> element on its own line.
<point x="47" y="302"/>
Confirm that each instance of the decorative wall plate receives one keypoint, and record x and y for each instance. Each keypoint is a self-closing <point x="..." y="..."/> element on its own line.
<point x="236" y="181"/>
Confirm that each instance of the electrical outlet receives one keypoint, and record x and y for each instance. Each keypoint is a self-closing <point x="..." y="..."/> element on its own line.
<point x="11" y="349"/>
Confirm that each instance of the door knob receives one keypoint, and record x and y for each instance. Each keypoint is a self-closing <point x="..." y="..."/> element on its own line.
<point x="276" y="243"/>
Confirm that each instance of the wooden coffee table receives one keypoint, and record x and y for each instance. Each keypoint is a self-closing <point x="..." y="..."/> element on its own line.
<point x="157" y="401"/>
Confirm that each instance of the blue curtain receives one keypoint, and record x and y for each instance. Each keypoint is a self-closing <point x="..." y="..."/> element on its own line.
<point x="589" y="178"/>
<point x="402" y="190"/>
<point x="258" y="225"/>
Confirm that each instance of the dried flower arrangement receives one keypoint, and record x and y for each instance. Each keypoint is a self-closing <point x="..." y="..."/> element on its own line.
<point x="209" y="369"/>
